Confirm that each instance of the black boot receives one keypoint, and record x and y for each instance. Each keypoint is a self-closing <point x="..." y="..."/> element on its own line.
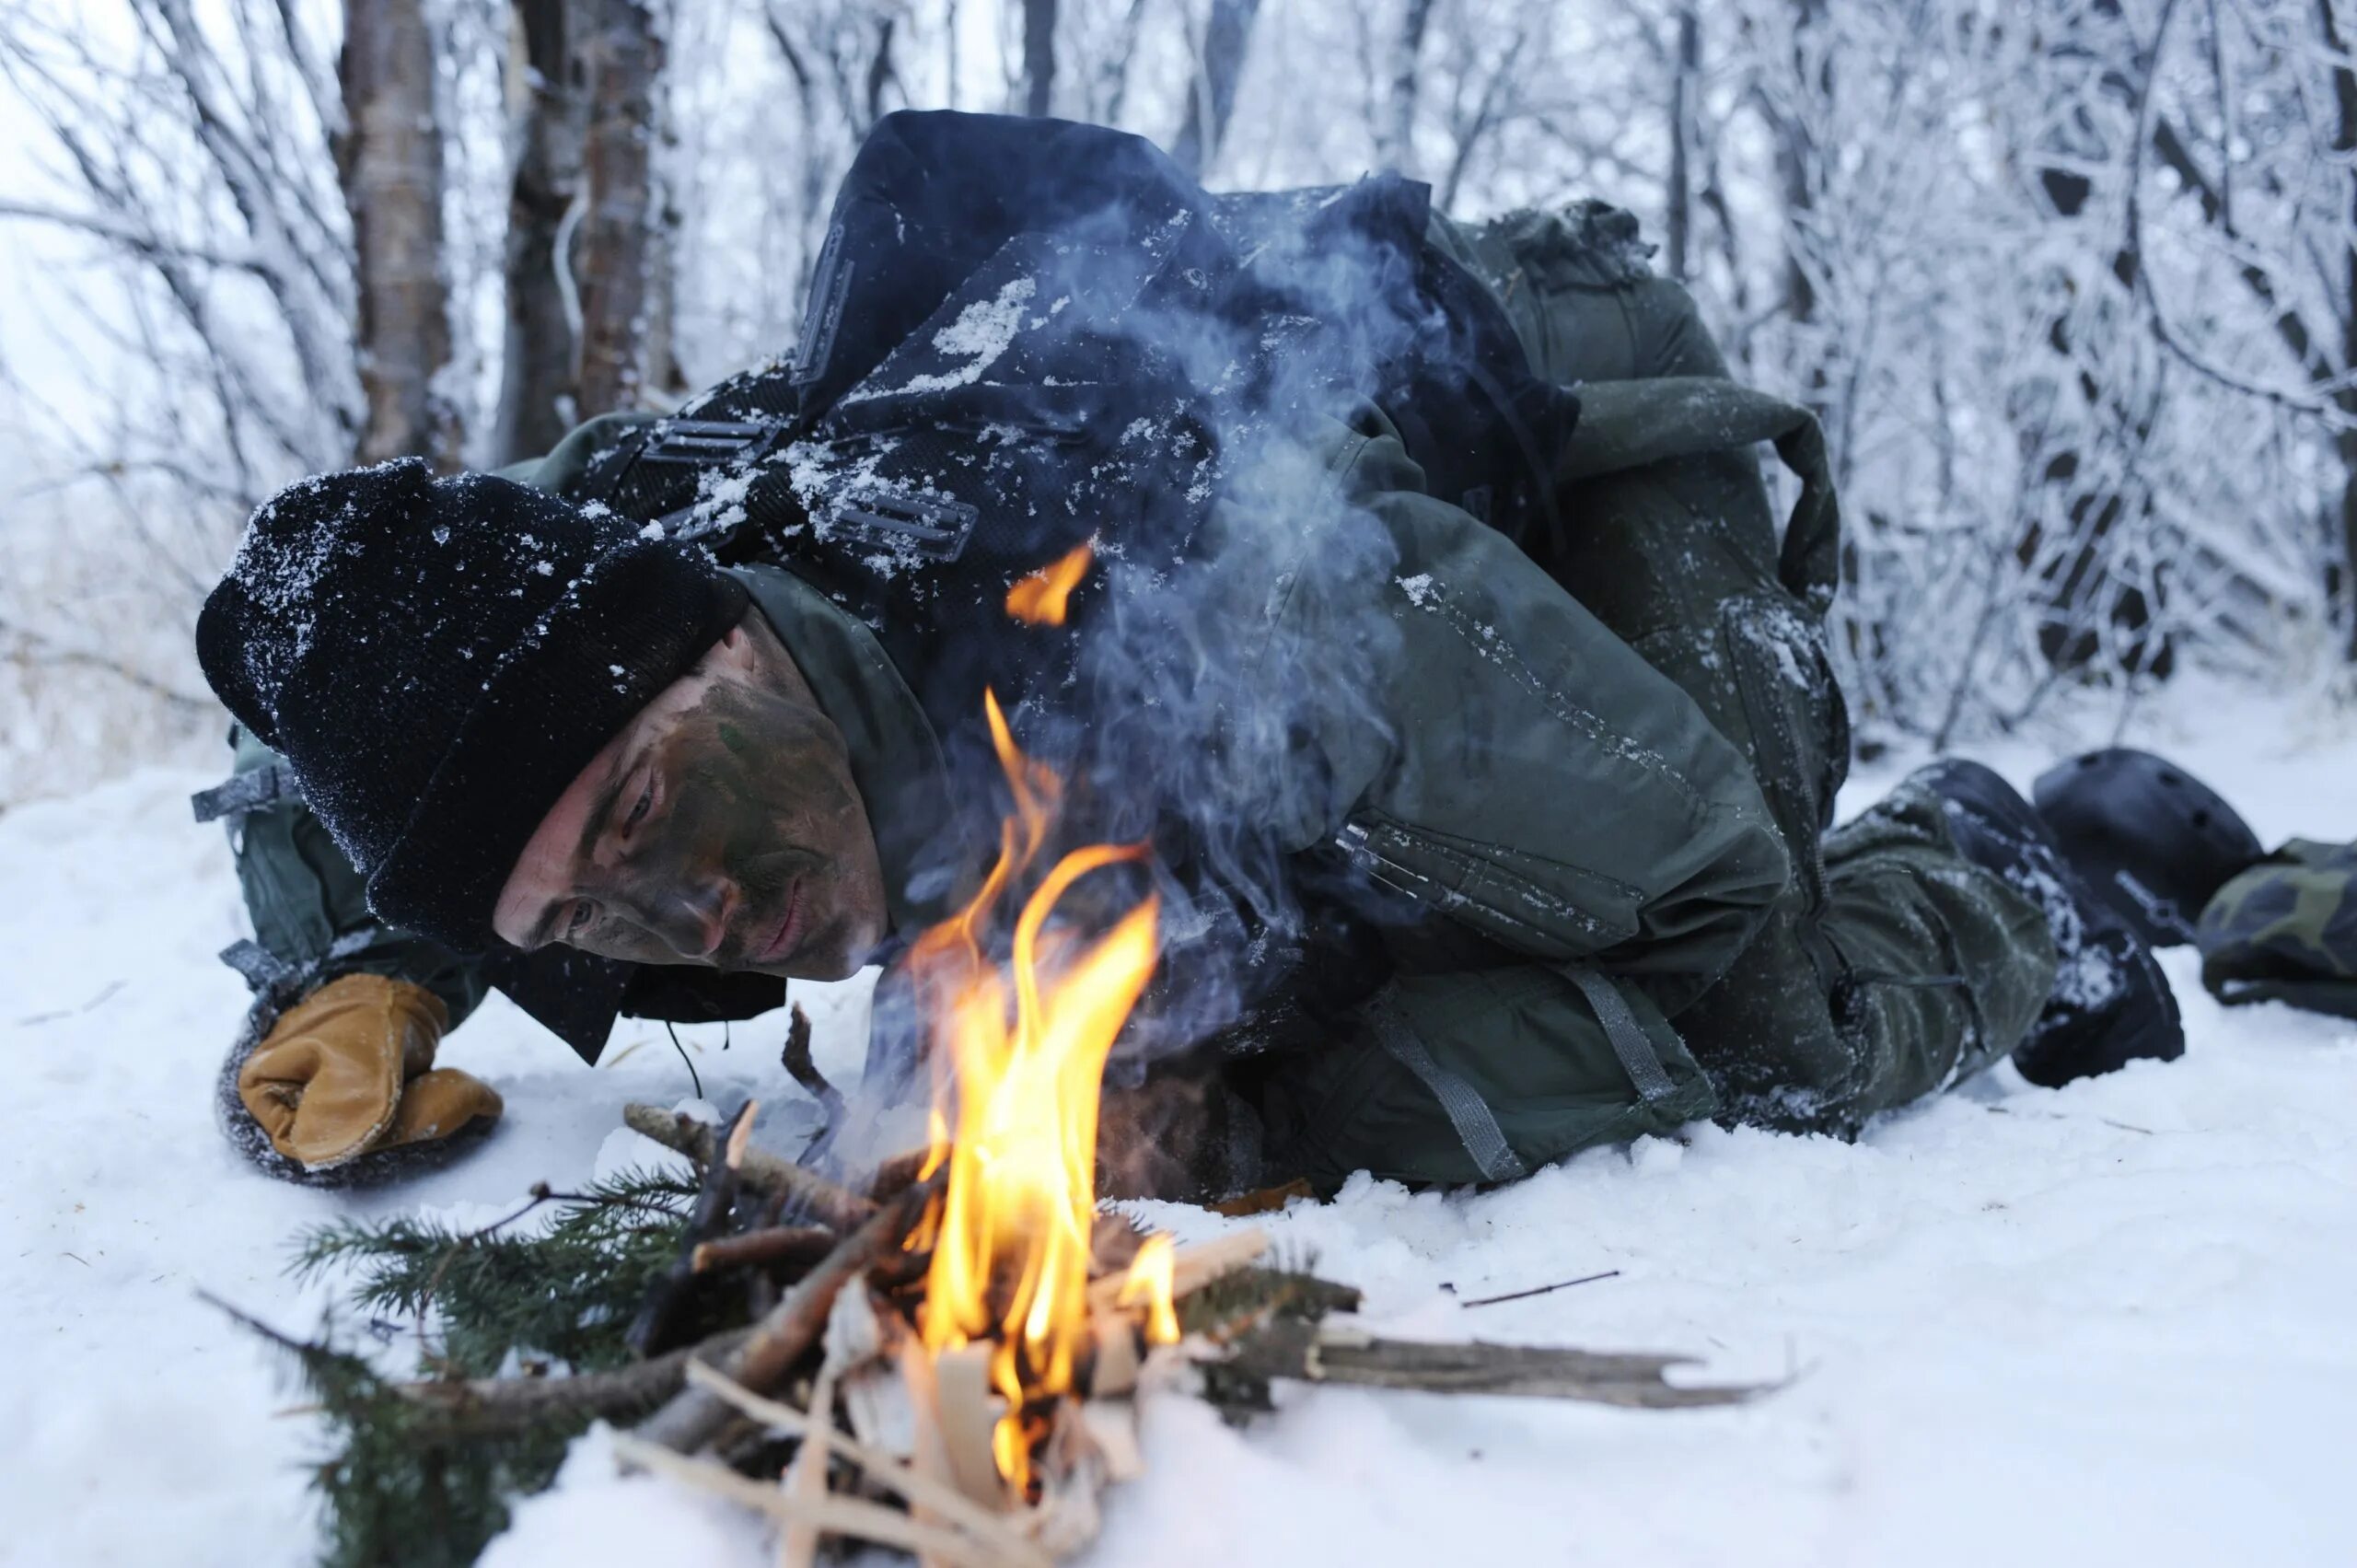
<point x="2153" y="841"/>
<point x="2112" y="1004"/>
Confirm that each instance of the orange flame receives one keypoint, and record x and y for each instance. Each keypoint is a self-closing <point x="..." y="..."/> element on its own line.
<point x="1148" y="1286"/>
<point x="1039" y="599"/>
<point x="1012" y="1239"/>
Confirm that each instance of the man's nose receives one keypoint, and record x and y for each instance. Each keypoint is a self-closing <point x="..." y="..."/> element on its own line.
<point x="697" y="921"/>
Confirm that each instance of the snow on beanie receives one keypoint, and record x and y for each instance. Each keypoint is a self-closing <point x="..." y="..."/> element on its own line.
<point x="437" y="659"/>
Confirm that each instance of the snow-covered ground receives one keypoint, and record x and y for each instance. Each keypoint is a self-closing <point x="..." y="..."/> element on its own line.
<point x="2113" y="1324"/>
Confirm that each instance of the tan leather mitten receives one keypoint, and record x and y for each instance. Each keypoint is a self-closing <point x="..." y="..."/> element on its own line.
<point x="349" y="1070"/>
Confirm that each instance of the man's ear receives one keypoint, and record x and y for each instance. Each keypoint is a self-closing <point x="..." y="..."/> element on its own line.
<point x="735" y="653"/>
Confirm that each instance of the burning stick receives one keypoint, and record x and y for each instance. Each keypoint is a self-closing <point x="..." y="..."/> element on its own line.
<point x="1191" y="1268"/>
<point x="695" y="1415"/>
<point x="831" y="1205"/>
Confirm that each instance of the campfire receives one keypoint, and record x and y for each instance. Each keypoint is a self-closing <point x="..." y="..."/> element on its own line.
<point x="1012" y="1237"/>
<point x="980" y="1327"/>
<point x="993" y="1389"/>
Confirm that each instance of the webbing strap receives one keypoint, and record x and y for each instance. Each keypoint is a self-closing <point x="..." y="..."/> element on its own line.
<point x="1477" y="1125"/>
<point x="253" y="790"/>
<point x="265" y="971"/>
<point x="262" y="968"/>
<point x="1638" y="1058"/>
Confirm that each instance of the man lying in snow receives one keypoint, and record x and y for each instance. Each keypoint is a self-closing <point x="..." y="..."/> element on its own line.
<point x="1482" y="727"/>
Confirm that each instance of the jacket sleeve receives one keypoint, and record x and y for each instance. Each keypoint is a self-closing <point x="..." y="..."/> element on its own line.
<point x="1518" y="765"/>
<point x="310" y="906"/>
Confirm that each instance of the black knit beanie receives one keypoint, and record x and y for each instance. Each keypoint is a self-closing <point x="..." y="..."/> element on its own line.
<point x="438" y="659"/>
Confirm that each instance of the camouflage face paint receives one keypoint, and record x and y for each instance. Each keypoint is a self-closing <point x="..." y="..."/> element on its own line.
<point x="740" y="841"/>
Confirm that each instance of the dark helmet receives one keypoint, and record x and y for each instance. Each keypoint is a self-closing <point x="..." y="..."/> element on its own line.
<point x="2153" y="841"/>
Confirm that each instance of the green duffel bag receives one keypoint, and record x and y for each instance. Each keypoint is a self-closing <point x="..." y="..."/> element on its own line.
<point x="2285" y="930"/>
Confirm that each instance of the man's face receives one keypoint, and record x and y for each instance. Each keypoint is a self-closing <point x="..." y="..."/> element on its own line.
<point x="721" y="827"/>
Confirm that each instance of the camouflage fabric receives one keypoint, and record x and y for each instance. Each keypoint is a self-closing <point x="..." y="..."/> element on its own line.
<point x="2286" y="931"/>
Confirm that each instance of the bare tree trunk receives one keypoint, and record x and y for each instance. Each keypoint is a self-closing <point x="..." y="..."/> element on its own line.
<point x="1796" y="157"/>
<point x="1683" y="85"/>
<point x="537" y="399"/>
<point x="1225" y="41"/>
<point x="2340" y="574"/>
<point x="1396" y="147"/>
<point x="624" y="59"/>
<point x="390" y="163"/>
<point x="1039" y="55"/>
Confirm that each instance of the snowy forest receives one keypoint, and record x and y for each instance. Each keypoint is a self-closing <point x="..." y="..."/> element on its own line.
<point x="1784" y="1170"/>
<point x="2070" y="283"/>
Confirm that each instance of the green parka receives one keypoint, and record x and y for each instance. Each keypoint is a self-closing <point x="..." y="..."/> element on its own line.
<point x="1608" y="757"/>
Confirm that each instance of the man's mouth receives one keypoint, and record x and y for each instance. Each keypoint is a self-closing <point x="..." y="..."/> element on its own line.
<point x="789" y="929"/>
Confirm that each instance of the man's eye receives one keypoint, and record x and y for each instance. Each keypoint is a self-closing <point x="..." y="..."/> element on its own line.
<point x="578" y="919"/>
<point x="645" y="803"/>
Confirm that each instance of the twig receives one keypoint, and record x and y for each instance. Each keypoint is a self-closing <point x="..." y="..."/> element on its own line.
<point x="796" y="1059"/>
<point x="1541" y="1289"/>
<point x="498" y="1406"/>
<point x="771" y="1244"/>
<point x="886" y="1469"/>
<point x="828" y="1204"/>
<point x="849" y="1516"/>
<point x="91" y="1006"/>
<point x="694" y="1415"/>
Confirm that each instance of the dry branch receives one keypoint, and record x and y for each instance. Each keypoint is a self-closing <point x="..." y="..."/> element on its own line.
<point x="827" y="1203"/>
<point x="1287" y="1348"/>
<point x="493" y="1406"/>
<point x="772" y="1243"/>
<point x="694" y="1415"/>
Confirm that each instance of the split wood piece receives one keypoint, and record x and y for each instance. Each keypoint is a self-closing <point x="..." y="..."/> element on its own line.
<point x="928" y="1456"/>
<point x="804" y="1482"/>
<point x="967" y="1410"/>
<point x="491" y="1407"/>
<point x="854" y="1518"/>
<point x="695" y="1415"/>
<point x="828" y="1204"/>
<point x="888" y="1470"/>
<point x="787" y="1244"/>
<point x="1192" y="1266"/>
<point x="677" y="1285"/>
<point x="1288" y="1348"/>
